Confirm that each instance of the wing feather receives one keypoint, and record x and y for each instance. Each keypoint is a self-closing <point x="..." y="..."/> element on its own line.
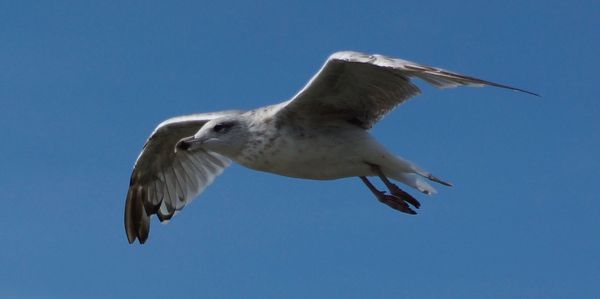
<point x="361" y="89"/>
<point x="164" y="181"/>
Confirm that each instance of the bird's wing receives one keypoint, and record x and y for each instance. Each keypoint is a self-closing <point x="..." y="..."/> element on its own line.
<point x="164" y="181"/>
<point x="361" y="88"/>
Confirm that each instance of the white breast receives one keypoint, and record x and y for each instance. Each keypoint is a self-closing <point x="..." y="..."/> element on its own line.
<point x="321" y="153"/>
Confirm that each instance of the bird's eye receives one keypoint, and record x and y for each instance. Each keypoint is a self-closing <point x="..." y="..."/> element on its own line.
<point x="222" y="127"/>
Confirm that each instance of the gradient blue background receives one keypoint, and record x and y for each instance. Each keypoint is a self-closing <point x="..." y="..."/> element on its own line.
<point x="82" y="84"/>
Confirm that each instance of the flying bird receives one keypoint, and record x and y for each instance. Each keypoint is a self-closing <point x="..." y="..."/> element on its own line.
<point x="321" y="133"/>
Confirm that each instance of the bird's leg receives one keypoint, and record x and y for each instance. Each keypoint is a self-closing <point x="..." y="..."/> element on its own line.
<point x="395" y="202"/>
<point x="394" y="189"/>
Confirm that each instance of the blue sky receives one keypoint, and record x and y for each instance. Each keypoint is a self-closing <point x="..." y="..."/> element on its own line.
<point x="82" y="85"/>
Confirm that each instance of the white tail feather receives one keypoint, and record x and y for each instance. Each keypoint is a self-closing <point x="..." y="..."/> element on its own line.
<point x="414" y="181"/>
<point x="410" y="174"/>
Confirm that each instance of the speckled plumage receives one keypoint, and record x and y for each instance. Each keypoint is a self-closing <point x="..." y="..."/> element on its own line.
<point x="321" y="133"/>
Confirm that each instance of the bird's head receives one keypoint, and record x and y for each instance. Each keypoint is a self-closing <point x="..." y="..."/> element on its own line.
<point x="225" y="135"/>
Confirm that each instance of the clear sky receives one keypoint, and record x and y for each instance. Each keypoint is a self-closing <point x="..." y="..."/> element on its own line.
<point x="82" y="85"/>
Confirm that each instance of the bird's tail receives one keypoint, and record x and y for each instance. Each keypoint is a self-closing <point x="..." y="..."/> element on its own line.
<point x="413" y="176"/>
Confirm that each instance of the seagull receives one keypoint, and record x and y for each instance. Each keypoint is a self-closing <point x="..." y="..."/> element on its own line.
<point x="321" y="133"/>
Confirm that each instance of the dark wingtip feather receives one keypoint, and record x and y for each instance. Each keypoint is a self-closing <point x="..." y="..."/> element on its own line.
<point x="164" y="217"/>
<point x="513" y="88"/>
<point x="137" y="224"/>
<point x="129" y="223"/>
<point x="469" y="79"/>
<point x="143" y="232"/>
<point x="169" y="213"/>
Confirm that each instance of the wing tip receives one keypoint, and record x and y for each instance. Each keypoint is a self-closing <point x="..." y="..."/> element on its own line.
<point x="527" y="92"/>
<point x="516" y="89"/>
<point x="354" y="56"/>
<point x="137" y="222"/>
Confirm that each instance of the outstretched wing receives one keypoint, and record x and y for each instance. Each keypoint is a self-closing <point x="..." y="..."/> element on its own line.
<point x="164" y="181"/>
<point x="361" y="88"/>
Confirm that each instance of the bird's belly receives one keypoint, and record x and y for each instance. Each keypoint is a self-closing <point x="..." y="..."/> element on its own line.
<point x="318" y="158"/>
<point x="320" y="168"/>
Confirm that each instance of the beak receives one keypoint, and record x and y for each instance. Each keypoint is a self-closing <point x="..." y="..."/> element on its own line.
<point x="187" y="144"/>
